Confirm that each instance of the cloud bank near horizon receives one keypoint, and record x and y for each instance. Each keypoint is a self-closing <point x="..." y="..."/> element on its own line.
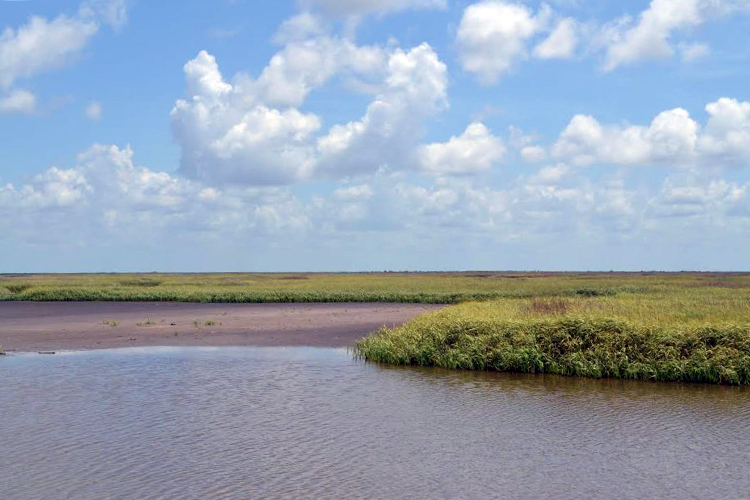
<point x="260" y="167"/>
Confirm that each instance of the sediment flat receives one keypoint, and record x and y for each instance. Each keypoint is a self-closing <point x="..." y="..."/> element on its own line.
<point x="47" y="326"/>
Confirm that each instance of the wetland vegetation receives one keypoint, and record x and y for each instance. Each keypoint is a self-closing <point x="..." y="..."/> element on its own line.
<point x="697" y="333"/>
<point x="431" y="288"/>
<point x="692" y="327"/>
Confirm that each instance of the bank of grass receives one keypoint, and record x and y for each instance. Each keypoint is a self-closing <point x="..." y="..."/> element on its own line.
<point x="650" y="326"/>
<point x="685" y="335"/>
<point x="431" y="288"/>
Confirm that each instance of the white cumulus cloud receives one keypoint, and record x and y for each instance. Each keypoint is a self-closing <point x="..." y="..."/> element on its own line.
<point x="41" y="44"/>
<point x="493" y="35"/>
<point x="475" y="150"/>
<point x="249" y="131"/>
<point x="225" y="139"/>
<point x="303" y="65"/>
<point x="726" y="136"/>
<point x="106" y="195"/>
<point x="713" y="199"/>
<point x="670" y="138"/>
<point x="629" y="41"/>
<point x="673" y="138"/>
<point x="388" y="134"/>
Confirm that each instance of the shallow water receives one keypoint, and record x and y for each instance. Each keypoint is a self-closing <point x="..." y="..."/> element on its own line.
<point x="237" y="423"/>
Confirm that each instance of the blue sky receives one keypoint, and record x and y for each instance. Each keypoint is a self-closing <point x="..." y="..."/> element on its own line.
<point x="347" y="135"/>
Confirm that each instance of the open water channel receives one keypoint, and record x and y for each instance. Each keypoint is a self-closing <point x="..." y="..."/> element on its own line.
<point x="236" y="423"/>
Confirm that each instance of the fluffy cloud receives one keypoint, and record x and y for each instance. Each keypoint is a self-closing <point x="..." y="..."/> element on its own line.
<point x="561" y="43"/>
<point x="726" y="136"/>
<point x="299" y="28"/>
<point x="54" y="188"/>
<point x="108" y="200"/>
<point x="103" y="176"/>
<point x="17" y="101"/>
<point x="475" y="150"/>
<point x="111" y="197"/>
<point x="670" y="138"/>
<point x="234" y="133"/>
<point x="673" y="138"/>
<point x="107" y="193"/>
<point x="493" y="35"/>
<point x="225" y="138"/>
<point x="249" y="131"/>
<point x="303" y="65"/>
<point x="388" y="133"/>
<point x="690" y="197"/>
<point x="41" y="45"/>
<point x="628" y="42"/>
<point x="453" y="204"/>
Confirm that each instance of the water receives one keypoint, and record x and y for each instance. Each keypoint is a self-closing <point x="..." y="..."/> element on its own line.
<point x="307" y="423"/>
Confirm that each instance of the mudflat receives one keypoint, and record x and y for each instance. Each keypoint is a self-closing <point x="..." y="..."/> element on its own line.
<point x="47" y="326"/>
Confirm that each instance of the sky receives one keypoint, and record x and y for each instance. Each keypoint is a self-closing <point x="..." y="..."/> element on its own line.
<point x="371" y="135"/>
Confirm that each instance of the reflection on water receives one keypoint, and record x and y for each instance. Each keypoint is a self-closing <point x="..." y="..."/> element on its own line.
<point x="307" y="423"/>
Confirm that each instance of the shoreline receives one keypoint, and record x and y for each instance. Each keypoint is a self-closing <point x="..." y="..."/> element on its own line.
<point x="76" y="326"/>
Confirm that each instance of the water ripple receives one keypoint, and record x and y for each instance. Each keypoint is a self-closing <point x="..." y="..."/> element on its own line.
<point x="300" y="423"/>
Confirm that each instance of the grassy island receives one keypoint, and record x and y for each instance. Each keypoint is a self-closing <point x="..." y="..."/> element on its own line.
<point x="698" y="334"/>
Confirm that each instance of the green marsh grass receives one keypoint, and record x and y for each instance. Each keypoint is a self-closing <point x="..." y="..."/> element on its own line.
<point x="649" y="326"/>
<point x="431" y="288"/>
<point x="670" y="335"/>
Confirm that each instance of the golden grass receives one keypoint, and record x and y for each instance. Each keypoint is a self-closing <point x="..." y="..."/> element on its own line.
<point x="359" y="287"/>
<point x="680" y="332"/>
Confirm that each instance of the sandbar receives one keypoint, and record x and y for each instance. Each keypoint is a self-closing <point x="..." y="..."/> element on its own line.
<point x="52" y="326"/>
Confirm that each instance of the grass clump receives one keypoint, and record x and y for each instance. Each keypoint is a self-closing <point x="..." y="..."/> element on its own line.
<point x="600" y="337"/>
<point x="207" y="322"/>
<point x="140" y="282"/>
<point x="110" y="322"/>
<point x="17" y="287"/>
<point x="147" y="322"/>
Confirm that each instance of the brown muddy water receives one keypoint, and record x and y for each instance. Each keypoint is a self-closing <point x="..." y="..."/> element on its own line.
<point x="274" y="423"/>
